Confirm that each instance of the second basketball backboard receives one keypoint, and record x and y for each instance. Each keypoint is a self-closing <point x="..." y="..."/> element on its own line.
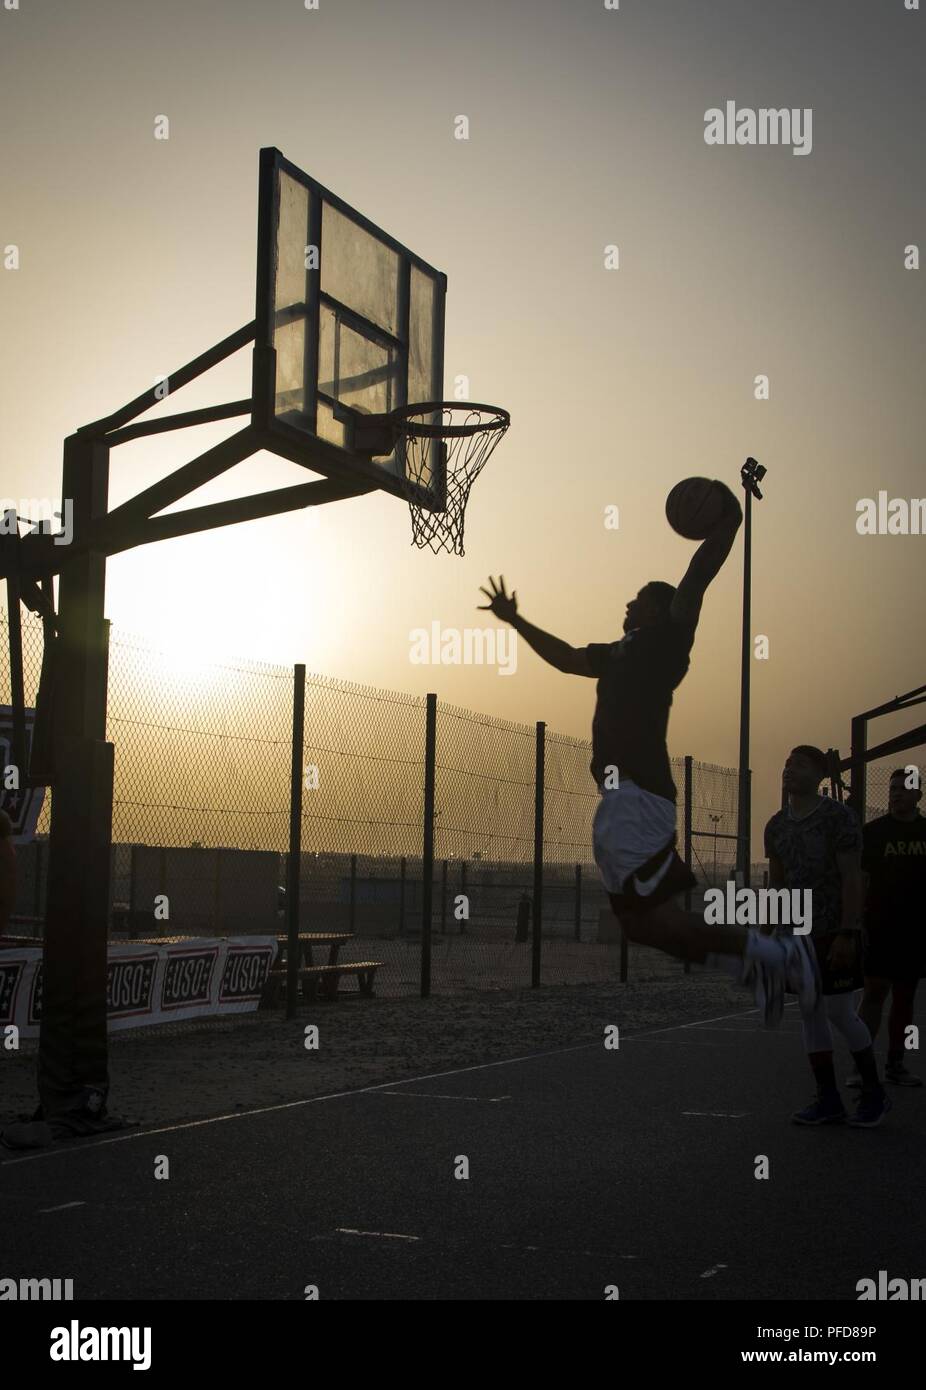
<point x="349" y="322"/>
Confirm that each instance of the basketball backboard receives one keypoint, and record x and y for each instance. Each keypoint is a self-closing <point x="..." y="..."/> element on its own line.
<point x="348" y="323"/>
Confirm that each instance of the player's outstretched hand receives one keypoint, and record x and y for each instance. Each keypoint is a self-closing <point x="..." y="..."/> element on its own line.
<point x="500" y="603"/>
<point x="732" y="508"/>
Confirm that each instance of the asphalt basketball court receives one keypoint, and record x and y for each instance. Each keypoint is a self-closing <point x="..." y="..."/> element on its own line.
<point x="588" y="1169"/>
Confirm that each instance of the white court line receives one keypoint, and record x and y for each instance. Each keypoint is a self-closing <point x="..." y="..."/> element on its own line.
<point x="380" y="1235"/>
<point x="702" y="1023"/>
<point x="340" y="1095"/>
<point x="434" y="1095"/>
<point x="532" y="1249"/>
<point x="291" y="1105"/>
<point x="749" y="1032"/>
<point x="65" y="1206"/>
<point x="718" y="1114"/>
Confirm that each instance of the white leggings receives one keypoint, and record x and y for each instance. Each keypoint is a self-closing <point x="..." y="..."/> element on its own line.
<point x="838" y="1010"/>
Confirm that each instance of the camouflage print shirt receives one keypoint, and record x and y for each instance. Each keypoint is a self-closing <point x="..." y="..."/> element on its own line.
<point x="807" y="851"/>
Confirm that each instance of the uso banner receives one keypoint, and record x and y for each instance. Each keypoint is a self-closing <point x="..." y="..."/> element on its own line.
<point x="22" y="804"/>
<point x="148" y="984"/>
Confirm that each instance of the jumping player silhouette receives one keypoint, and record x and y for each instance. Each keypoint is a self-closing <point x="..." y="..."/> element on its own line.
<point x="634" y="828"/>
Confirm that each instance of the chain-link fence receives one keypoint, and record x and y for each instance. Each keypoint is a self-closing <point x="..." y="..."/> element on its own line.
<point x="201" y="824"/>
<point x="714" y="809"/>
<point x="878" y="776"/>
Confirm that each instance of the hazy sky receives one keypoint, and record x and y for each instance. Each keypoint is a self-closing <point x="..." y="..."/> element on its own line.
<point x="586" y="129"/>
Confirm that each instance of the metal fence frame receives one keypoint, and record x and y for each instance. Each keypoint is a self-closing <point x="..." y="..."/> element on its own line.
<point x="860" y="755"/>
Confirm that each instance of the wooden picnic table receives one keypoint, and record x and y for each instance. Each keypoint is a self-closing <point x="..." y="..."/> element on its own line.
<point x="313" y="978"/>
<point x="307" y="939"/>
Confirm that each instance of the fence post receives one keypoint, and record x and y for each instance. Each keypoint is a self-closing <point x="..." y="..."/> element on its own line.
<point x="162" y="880"/>
<point x="294" y="861"/>
<point x="40" y="871"/>
<point x="352" y="910"/>
<point x="402" y="896"/>
<point x="427" y="855"/>
<point x="538" y="852"/>
<point x="858" y="777"/>
<point x="443" y="897"/>
<point x="133" y="892"/>
<point x="463" y="894"/>
<point x="689" y="763"/>
<point x="578" y="902"/>
<point x="217" y="893"/>
<point x="747" y="849"/>
<point x="833" y="775"/>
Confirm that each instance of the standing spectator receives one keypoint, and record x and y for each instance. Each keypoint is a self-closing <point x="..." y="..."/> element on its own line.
<point x="894" y="860"/>
<point x="814" y="843"/>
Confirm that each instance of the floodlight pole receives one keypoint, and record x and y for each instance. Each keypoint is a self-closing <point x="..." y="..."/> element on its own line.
<point x="751" y="475"/>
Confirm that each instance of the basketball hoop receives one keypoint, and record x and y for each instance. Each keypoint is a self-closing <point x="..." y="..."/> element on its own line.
<point x="447" y="443"/>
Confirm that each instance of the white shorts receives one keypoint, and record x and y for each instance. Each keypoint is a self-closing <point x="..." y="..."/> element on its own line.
<point x="630" y="827"/>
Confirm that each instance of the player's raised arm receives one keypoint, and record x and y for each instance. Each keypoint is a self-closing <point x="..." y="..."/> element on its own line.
<point x="557" y="653"/>
<point x="707" y="561"/>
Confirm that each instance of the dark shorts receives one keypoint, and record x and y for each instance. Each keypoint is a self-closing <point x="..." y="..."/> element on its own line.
<point x="843" y="981"/>
<point x="893" y="955"/>
<point x="677" y="879"/>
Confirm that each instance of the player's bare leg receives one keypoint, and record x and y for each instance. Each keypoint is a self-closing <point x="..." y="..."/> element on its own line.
<point x="683" y="934"/>
<point x="770" y="966"/>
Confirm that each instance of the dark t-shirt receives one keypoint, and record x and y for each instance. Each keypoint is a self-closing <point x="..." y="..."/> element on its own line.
<point x="807" y="851"/>
<point x="894" y="855"/>
<point x="636" y="678"/>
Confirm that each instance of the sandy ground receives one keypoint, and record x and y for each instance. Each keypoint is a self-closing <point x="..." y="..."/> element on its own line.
<point x="212" y="1067"/>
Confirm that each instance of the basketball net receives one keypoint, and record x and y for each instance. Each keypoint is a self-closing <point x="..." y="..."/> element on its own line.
<point x="455" y="442"/>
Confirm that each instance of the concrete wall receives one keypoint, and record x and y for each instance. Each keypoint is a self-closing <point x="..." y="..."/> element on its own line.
<point x="211" y="891"/>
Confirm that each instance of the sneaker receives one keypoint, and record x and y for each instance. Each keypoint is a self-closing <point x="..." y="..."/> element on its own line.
<point x="769" y="986"/>
<point x="853" y="1082"/>
<point x="27" y="1134"/>
<point x="896" y="1073"/>
<point x="801" y="971"/>
<point x="827" y="1109"/>
<point x="86" y="1115"/>
<point x="872" y="1108"/>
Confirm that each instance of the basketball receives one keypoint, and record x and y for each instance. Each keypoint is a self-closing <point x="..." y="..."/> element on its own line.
<point x="693" y="508"/>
